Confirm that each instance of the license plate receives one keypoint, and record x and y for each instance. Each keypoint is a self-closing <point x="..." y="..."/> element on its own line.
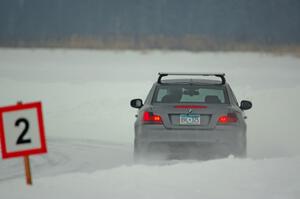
<point x="189" y="120"/>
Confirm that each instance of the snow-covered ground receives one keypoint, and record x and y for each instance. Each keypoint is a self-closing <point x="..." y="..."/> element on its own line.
<point x="69" y="156"/>
<point x="86" y="96"/>
<point x="218" y="179"/>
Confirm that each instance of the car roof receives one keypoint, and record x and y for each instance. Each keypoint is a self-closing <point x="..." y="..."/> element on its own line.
<point x="192" y="81"/>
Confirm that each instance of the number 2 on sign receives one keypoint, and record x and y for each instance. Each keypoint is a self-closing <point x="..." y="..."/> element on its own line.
<point x="21" y="139"/>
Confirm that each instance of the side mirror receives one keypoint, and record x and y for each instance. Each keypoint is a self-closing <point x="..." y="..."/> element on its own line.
<point x="136" y="103"/>
<point x="245" y="105"/>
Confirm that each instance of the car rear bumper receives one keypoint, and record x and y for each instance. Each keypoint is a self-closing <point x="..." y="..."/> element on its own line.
<point x="223" y="140"/>
<point x="220" y="134"/>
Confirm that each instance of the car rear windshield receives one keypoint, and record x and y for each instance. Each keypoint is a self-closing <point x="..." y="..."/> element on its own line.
<point x="190" y="94"/>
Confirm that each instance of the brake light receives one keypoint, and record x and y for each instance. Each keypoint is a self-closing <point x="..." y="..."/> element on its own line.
<point x="150" y="118"/>
<point x="190" y="106"/>
<point x="229" y="118"/>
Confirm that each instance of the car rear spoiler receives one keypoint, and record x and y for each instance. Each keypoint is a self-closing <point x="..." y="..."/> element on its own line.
<point x="220" y="75"/>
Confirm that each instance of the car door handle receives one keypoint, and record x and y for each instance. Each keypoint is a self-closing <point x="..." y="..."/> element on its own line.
<point x="136" y="115"/>
<point x="245" y="117"/>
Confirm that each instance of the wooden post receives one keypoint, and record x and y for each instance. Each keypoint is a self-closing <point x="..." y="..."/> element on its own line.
<point x="27" y="170"/>
<point x="27" y="164"/>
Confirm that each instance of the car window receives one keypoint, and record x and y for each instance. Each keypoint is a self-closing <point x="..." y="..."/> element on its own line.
<point x="190" y="94"/>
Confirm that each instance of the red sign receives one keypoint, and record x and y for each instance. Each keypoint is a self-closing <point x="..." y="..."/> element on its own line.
<point x="22" y="131"/>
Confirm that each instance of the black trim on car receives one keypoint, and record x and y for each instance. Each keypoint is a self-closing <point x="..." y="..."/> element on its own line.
<point x="220" y="75"/>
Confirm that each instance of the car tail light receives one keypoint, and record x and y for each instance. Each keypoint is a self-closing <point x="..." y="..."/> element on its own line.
<point x="229" y="118"/>
<point x="150" y="118"/>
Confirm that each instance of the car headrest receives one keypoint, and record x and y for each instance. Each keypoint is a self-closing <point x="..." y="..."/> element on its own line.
<point x="212" y="99"/>
<point x="171" y="99"/>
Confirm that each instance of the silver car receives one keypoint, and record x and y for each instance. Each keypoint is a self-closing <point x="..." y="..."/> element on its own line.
<point x="190" y="118"/>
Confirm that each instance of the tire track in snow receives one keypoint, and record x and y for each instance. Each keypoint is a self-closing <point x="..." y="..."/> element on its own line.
<point x="70" y="155"/>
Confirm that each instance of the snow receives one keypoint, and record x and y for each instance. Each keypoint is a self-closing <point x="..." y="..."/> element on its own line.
<point x="69" y="156"/>
<point x="87" y="92"/>
<point x="89" y="125"/>
<point x="225" y="178"/>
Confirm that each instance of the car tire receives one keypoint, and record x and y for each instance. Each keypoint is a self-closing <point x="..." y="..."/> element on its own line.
<point x="242" y="146"/>
<point x="137" y="151"/>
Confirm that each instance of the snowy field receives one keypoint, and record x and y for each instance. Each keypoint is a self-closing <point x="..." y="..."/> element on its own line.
<point x="89" y="125"/>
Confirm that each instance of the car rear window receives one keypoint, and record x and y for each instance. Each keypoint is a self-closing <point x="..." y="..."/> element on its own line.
<point x="190" y="94"/>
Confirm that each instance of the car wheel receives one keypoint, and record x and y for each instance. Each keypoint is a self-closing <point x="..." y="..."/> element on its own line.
<point x="242" y="146"/>
<point x="137" y="153"/>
